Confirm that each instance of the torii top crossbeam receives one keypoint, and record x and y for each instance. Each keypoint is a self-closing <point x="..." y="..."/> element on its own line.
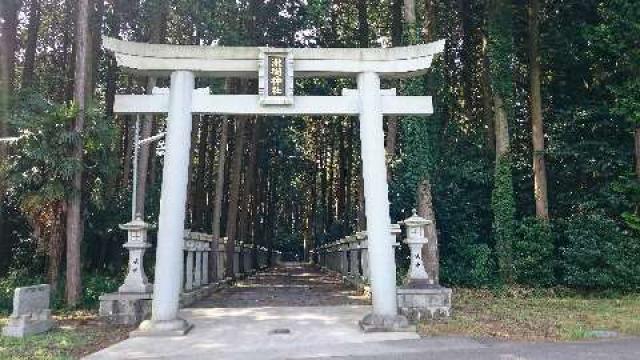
<point x="256" y="62"/>
<point x="160" y="59"/>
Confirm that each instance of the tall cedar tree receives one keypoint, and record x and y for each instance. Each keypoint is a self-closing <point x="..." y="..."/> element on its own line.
<point x="8" y="42"/>
<point x="501" y="76"/>
<point x="75" y="222"/>
<point x="537" y="125"/>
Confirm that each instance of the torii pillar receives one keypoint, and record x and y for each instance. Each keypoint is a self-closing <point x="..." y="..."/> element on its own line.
<point x="382" y="262"/>
<point x="169" y="262"/>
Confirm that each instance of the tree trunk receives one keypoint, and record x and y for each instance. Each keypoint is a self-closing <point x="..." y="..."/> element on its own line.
<point x="234" y="191"/>
<point x="74" y="225"/>
<point x="127" y="137"/>
<point x="255" y="179"/>
<point x="430" y="252"/>
<point x="362" y="219"/>
<point x="539" y="168"/>
<point x="32" y="43"/>
<point x="56" y="247"/>
<point x="157" y="27"/>
<point x="409" y="12"/>
<point x="397" y="10"/>
<point x="501" y="77"/>
<point x="8" y="28"/>
<point x="429" y="20"/>
<point x="219" y="196"/>
<point x="637" y="151"/>
<point x="487" y="97"/>
<point x="324" y="186"/>
<point x="501" y="124"/>
<point x="8" y="42"/>
<point x="409" y="17"/>
<point x="467" y="59"/>
<point x="330" y="171"/>
<point x="111" y="76"/>
<point x="68" y="60"/>
<point x="341" y="188"/>
<point x="391" y="124"/>
<point x="396" y="22"/>
<point x="363" y="24"/>
<point x="96" y="12"/>
<point x="249" y="188"/>
<point x="348" y="173"/>
<point x="144" y="154"/>
<point x="188" y="221"/>
<point x="199" y="202"/>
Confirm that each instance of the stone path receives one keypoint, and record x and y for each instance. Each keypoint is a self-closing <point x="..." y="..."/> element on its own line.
<point x="319" y="321"/>
<point x="290" y="284"/>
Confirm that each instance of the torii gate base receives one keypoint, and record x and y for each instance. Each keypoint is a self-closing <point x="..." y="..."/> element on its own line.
<point x="276" y="98"/>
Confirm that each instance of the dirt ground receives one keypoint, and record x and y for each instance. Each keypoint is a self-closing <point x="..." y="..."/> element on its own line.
<point x="288" y="285"/>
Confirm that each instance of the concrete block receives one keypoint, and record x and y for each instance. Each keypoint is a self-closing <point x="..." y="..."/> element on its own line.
<point x="31" y="314"/>
<point x="423" y="303"/>
<point x="125" y="308"/>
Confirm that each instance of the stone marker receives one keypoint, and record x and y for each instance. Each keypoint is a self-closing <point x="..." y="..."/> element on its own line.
<point x="31" y="313"/>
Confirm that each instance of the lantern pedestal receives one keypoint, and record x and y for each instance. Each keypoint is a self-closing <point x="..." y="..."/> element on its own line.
<point x="428" y="302"/>
<point x="132" y="303"/>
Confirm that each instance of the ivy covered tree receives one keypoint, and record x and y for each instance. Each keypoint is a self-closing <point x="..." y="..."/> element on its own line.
<point x="501" y="67"/>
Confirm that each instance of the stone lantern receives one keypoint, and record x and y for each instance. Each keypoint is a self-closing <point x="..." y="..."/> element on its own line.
<point x="416" y="240"/>
<point x="136" y="280"/>
<point x="420" y="298"/>
<point x="132" y="303"/>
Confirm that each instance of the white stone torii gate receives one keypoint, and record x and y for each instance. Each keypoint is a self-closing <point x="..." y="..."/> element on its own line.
<point x="184" y="62"/>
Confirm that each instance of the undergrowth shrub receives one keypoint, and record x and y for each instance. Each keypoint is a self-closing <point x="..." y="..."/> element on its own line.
<point x="11" y="280"/>
<point x="96" y="284"/>
<point x="533" y="253"/>
<point x="596" y="253"/>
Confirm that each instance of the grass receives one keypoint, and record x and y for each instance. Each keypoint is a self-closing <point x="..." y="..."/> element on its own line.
<point x="527" y="314"/>
<point x="76" y="334"/>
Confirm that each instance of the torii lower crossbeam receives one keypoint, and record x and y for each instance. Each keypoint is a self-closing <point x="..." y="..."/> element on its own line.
<point x="249" y="105"/>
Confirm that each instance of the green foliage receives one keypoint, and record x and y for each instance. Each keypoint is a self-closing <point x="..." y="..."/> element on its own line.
<point x="471" y="264"/>
<point x="504" y="212"/>
<point x="24" y="276"/>
<point x="627" y="201"/>
<point x="533" y="253"/>
<point x="596" y="253"/>
<point x="501" y="50"/>
<point x="96" y="284"/>
<point x="42" y="167"/>
<point x="616" y="46"/>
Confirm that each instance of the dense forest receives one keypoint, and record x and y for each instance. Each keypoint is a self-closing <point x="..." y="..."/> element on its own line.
<point x="529" y="169"/>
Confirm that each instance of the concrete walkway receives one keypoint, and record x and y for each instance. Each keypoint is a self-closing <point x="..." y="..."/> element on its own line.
<point x="320" y="322"/>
